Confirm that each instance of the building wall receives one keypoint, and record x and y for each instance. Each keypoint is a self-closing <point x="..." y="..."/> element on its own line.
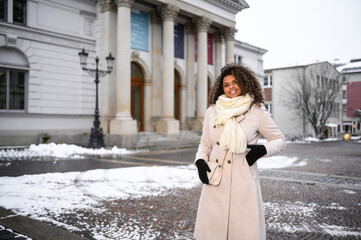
<point x="352" y="121"/>
<point x="291" y="120"/>
<point x="353" y="97"/>
<point x="60" y="97"/>
<point x="251" y="56"/>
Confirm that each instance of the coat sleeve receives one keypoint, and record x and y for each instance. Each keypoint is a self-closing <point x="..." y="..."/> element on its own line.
<point x="205" y="145"/>
<point x="269" y="130"/>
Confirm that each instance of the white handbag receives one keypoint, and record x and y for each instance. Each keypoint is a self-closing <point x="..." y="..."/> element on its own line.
<point x="215" y="176"/>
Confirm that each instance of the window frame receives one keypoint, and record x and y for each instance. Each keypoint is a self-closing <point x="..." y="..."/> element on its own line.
<point x="9" y="13"/>
<point x="238" y="58"/>
<point x="24" y="14"/>
<point x="7" y="84"/>
<point x="5" y="12"/>
<point x="269" y="81"/>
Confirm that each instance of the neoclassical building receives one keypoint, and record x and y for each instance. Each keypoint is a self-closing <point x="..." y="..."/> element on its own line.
<point x="168" y="53"/>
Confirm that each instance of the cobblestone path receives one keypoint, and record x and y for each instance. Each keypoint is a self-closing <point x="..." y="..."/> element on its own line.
<point x="313" y="178"/>
<point x="294" y="209"/>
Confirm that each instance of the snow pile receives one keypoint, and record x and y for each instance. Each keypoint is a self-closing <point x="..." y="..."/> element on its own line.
<point x="313" y="140"/>
<point x="57" y="193"/>
<point x="59" y="151"/>
<point x="276" y="162"/>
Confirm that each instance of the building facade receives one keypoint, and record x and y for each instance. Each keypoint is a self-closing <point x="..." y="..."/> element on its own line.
<point x="351" y="92"/>
<point x="281" y="89"/>
<point x="251" y="56"/>
<point x="167" y="56"/>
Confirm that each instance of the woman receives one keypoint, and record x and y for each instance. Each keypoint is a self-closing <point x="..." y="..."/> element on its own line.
<point x="233" y="209"/>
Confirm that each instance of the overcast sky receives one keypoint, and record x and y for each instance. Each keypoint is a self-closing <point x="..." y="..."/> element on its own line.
<point x="302" y="31"/>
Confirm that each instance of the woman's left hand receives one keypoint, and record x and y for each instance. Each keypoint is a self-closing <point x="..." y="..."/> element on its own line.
<point x="256" y="152"/>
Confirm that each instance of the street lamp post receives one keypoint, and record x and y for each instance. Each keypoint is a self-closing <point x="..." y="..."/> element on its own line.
<point x="96" y="134"/>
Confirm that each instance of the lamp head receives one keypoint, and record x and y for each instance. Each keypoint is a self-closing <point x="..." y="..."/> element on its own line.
<point x="83" y="58"/>
<point x="110" y="62"/>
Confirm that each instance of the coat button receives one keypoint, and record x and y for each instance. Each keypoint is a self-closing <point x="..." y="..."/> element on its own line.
<point x="214" y="126"/>
<point x="216" y="160"/>
<point x="229" y="161"/>
<point x="217" y="143"/>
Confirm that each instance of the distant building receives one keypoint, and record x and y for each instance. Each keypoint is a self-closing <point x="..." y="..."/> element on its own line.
<point x="167" y="56"/>
<point x="351" y="93"/>
<point x="251" y="56"/>
<point x="291" y="120"/>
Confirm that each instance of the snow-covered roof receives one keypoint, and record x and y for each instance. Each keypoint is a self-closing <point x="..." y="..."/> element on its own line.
<point x="352" y="67"/>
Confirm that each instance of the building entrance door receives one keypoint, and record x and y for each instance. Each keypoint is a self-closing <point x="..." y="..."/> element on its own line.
<point x="177" y="96"/>
<point x="137" y="96"/>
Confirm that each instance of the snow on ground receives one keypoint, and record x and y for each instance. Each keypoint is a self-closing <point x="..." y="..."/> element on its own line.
<point x="45" y="196"/>
<point x="59" y="151"/>
<point x="306" y="140"/>
<point x="42" y="196"/>
<point x="306" y="211"/>
<point x="64" y="192"/>
<point x="275" y="162"/>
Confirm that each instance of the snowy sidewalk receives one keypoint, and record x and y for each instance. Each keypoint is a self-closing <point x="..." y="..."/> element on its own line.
<point x="160" y="202"/>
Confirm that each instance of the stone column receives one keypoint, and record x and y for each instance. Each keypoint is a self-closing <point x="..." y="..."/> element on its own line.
<point x="167" y="124"/>
<point x="229" y="37"/>
<point x="219" y="53"/>
<point x="202" y="25"/>
<point x="108" y="45"/>
<point x="191" y="87"/>
<point x="123" y="124"/>
<point x="156" y="32"/>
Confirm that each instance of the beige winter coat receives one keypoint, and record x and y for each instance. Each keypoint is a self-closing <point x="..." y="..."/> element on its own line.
<point x="233" y="210"/>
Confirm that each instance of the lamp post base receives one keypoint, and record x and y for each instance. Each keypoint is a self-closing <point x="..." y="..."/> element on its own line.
<point x="96" y="138"/>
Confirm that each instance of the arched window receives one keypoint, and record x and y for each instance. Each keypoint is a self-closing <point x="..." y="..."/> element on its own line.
<point x="13" y="79"/>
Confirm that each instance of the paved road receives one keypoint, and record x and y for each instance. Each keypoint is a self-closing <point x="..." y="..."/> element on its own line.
<point x="319" y="199"/>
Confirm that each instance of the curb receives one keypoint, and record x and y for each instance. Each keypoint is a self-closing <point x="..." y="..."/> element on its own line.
<point x="33" y="228"/>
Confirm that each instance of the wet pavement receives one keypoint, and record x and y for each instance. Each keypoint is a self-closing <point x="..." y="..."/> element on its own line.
<point x="318" y="199"/>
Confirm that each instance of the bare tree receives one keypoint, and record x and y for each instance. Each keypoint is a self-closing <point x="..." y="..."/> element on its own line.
<point x="314" y="90"/>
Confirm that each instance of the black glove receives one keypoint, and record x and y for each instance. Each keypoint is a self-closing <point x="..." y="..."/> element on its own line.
<point x="256" y="152"/>
<point x="202" y="170"/>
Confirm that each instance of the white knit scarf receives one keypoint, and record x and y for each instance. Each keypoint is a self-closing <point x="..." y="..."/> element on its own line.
<point x="233" y="137"/>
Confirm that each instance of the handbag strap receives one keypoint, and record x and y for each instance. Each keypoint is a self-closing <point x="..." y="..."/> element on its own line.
<point x="225" y="155"/>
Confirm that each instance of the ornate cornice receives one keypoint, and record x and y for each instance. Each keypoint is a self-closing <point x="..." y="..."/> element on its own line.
<point x="229" y="33"/>
<point x="189" y="27"/>
<point x="46" y="37"/>
<point x="218" y="35"/>
<point x="233" y="6"/>
<point x="168" y="12"/>
<point x="202" y="24"/>
<point x="108" y="5"/>
<point x="155" y="17"/>
<point x="124" y="3"/>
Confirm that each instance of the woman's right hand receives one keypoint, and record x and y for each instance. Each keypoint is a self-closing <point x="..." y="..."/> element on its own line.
<point x="203" y="168"/>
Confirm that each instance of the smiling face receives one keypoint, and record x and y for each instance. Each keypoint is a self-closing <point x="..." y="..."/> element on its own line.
<point x="230" y="87"/>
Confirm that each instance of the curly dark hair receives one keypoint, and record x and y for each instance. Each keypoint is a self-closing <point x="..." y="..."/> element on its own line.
<point x="246" y="79"/>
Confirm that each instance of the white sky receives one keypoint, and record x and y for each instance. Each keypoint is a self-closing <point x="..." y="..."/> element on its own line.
<point x="302" y="31"/>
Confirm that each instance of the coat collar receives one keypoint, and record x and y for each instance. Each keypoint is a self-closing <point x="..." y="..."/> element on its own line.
<point x="240" y="117"/>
